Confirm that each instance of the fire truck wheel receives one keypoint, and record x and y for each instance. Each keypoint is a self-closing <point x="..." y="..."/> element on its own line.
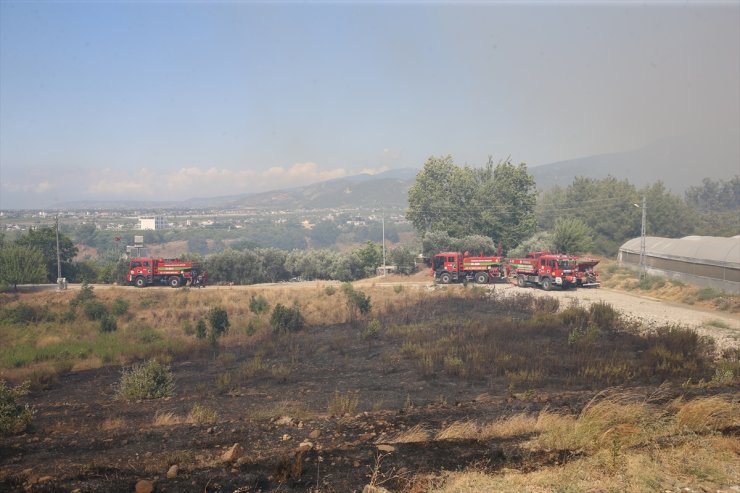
<point x="140" y="282"/>
<point x="174" y="282"/>
<point x="546" y="284"/>
<point x="521" y="281"/>
<point x="481" y="278"/>
<point x="445" y="278"/>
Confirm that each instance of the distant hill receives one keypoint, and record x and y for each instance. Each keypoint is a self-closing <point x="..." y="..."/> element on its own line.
<point x="678" y="163"/>
<point x="388" y="189"/>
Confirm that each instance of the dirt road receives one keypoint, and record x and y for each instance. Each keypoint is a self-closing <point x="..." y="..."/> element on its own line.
<point x="722" y="326"/>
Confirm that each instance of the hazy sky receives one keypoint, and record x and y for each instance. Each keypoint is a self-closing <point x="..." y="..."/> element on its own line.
<point x="173" y="100"/>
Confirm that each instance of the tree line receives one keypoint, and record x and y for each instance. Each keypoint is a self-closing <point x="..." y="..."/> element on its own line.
<point x="498" y="207"/>
<point x="494" y="208"/>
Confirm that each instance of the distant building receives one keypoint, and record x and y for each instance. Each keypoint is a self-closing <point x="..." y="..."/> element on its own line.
<point x="701" y="260"/>
<point x="151" y="222"/>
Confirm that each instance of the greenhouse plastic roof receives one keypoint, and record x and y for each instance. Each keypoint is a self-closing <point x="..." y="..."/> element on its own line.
<point x="712" y="250"/>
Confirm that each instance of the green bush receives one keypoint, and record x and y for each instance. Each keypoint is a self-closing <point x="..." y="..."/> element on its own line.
<point x="119" y="307"/>
<point x="22" y="313"/>
<point x="286" y="319"/>
<point x="201" y="329"/>
<point x="258" y="304"/>
<point x="218" y="319"/>
<point x="85" y="294"/>
<point x="330" y="290"/>
<point x="705" y="294"/>
<point x="151" y="380"/>
<point x="108" y="324"/>
<point x="14" y="417"/>
<point x="95" y="310"/>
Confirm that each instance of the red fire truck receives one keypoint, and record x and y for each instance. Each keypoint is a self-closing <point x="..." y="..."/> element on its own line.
<point x="145" y="271"/>
<point x="450" y="267"/>
<point x="544" y="269"/>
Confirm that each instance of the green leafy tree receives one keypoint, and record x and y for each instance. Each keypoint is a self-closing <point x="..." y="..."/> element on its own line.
<point x="572" y="236"/>
<point x="371" y="257"/>
<point x="403" y="258"/>
<point x="504" y="203"/>
<point x="474" y="244"/>
<point x="21" y="265"/>
<point x="667" y="214"/>
<point x="604" y="205"/>
<point x="44" y="240"/>
<point x="497" y="201"/>
<point x="438" y="198"/>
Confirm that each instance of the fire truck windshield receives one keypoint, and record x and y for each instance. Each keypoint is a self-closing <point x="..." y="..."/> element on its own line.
<point x="566" y="264"/>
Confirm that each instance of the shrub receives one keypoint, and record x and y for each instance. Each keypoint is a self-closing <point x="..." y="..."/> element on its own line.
<point x="147" y="381"/>
<point x="342" y="404"/>
<point x="218" y="319"/>
<point x="201" y="329"/>
<point x="14" y="417"/>
<point x="705" y="294"/>
<point x="371" y="330"/>
<point x="85" y="294"/>
<point x="603" y="315"/>
<point x="330" y="290"/>
<point x="357" y="301"/>
<point x="258" y="304"/>
<point x="95" y="310"/>
<point x="286" y="319"/>
<point x="119" y="307"/>
<point x="22" y="313"/>
<point x="187" y="328"/>
<point x="108" y="324"/>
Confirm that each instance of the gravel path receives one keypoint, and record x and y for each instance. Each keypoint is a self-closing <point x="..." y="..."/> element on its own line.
<point x="722" y="326"/>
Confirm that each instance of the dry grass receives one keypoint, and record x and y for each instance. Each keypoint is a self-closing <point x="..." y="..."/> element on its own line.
<point x="111" y="424"/>
<point x="516" y="425"/>
<point x="166" y="419"/>
<point x="201" y="414"/>
<point x="414" y="434"/>
<point x="708" y="414"/>
<point x="460" y="430"/>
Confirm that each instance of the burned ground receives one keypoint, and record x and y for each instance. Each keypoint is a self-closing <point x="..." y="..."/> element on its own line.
<point x="372" y="406"/>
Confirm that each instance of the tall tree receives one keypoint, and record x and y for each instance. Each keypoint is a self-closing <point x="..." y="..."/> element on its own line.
<point x="572" y="235"/>
<point x="45" y="241"/>
<point x="505" y="200"/>
<point x="441" y="197"/>
<point x="496" y="201"/>
<point x="21" y="265"/>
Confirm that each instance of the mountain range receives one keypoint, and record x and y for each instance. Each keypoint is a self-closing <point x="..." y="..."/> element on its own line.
<point x="679" y="163"/>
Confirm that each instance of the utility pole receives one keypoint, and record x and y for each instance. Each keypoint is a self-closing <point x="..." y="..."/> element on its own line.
<point x="643" y="267"/>
<point x="383" y="221"/>
<point x="59" y="262"/>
